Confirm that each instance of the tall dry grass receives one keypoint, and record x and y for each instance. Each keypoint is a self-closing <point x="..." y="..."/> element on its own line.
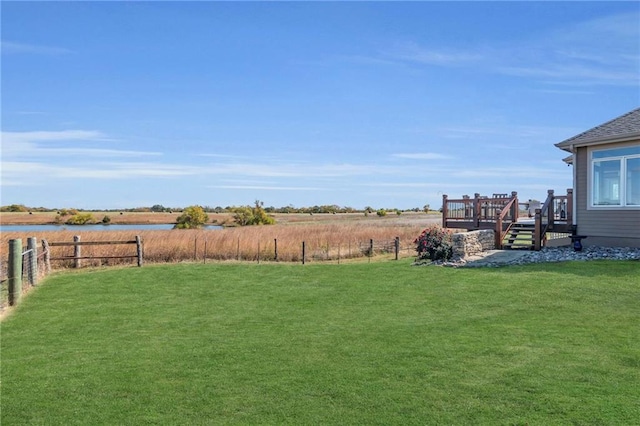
<point x="323" y="242"/>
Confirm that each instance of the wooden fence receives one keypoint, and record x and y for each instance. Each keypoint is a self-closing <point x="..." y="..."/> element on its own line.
<point x="23" y="267"/>
<point x="77" y="250"/>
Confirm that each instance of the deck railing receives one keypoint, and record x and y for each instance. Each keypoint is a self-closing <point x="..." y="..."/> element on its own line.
<point x="555" y="215"/>
<point x="501" y="211"/>
<point x="506" y="218"/>
<point x="479" y="212"/>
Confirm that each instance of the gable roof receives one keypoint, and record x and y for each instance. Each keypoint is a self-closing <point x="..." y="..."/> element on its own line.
<point x="625" y="127"/>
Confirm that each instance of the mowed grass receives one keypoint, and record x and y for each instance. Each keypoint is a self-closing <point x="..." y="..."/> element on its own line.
<point x="382" y="343"/>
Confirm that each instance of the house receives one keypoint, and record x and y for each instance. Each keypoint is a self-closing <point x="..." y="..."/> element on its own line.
<point x="606" y="181"/>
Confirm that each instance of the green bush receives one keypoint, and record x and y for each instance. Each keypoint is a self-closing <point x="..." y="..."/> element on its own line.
<point x="434" y="243"/>
<point x="192" y="217"/>
<point x="381" y="212"/>
<point x="106" y="220"/>
<point x="81" y="219"/>
<point x="255" y="215"/>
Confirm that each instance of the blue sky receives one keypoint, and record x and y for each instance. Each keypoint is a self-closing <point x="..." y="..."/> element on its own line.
<point x="382" y="104"/>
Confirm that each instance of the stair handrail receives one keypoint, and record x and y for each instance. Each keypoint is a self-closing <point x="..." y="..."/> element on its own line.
<point x="510" y="207"/>
<point x="541" y="227"/>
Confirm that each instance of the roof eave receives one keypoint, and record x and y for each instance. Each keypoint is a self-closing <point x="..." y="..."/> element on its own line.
<point x="569" y="144"/>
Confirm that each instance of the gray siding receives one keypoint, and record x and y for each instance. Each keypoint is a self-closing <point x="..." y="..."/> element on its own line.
<point x="603" y="227"/>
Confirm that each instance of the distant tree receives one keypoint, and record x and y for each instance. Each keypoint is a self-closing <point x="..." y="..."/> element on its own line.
<point x="66" y="212"/>
<point x="426" y="208"/>
<point x="243" y="216"/>
<point x="260" y="216"/>
<point x="255" y="215"/>
<point x="158" y="208"/>
<point x="15" y="208"/>
<point x="192" y="217"/>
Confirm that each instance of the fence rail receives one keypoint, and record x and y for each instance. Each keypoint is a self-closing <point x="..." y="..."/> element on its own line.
<point x="25" y="267"/>
<point x="77" y="252"/>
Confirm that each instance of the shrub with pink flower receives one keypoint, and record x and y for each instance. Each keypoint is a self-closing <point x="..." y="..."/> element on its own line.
<point x="434" y="243"/>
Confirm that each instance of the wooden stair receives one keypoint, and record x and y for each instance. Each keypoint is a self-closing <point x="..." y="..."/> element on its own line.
<point x="521" y="236"/>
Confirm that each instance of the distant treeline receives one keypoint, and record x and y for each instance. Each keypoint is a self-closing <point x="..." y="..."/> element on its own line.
<point x="228" y="209"/>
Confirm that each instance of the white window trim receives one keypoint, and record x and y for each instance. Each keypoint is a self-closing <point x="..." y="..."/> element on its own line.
<point x="623" y="177"/>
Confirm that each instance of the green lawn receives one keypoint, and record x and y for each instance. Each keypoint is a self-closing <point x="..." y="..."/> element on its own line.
<point x="381" y="343"/>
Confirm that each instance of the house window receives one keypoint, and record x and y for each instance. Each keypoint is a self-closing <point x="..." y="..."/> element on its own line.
<point x="615" y="177"/>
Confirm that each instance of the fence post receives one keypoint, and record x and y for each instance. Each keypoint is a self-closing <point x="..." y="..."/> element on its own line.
<point x="15" y="271"/>
<point x="396" y="243"/>
<point x="370" y="249"/>
<point x="33" y="260"/>
<point x="195" y="249"/>
<point x="76" y="251"/>
<point x="47" y="256"/>
<point x="139" y="249"/>
<point x="204" y="260"/>
<point x="303" y="253"/>
<point x="275" y="245"/>
<point x="258" y="252"/>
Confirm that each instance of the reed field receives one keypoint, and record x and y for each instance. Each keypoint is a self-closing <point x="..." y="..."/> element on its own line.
<point x="327" y="237"/>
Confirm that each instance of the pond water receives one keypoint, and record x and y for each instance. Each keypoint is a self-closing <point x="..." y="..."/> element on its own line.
<point x="132" y="227"/>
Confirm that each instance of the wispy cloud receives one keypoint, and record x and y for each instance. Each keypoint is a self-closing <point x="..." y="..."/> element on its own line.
<point x="39" y="171"/>
<point x="292" y="170"/>
<point x="46" y="143"/>
<point x="269" y="188"/>
<point x="9" y="47"/>
<point x="423" y="156"/>
<point x="603" y="51"/>
<point x="61" y="135"/>
<point x="413" y="52"/>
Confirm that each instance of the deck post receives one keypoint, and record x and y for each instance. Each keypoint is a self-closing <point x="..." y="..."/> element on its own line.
<point x="498" y="230"/>
<point x="515" y="207"/>
<point x="550" y="213"/>
<point x="570" y="206"/>
<point x="537" y="238"/>
<point x="476" y="210"/>
<point x="445" y="210"/>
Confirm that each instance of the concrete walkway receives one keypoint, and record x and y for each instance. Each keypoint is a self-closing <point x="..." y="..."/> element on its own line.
<point x="496" y="257"/>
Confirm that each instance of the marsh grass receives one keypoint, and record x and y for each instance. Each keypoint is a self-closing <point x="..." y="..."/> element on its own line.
<point x="383" y="344"/>
<point x="324" y="241"/>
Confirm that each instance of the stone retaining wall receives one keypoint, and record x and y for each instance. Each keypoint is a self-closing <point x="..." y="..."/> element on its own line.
<point x="472" y="243"/>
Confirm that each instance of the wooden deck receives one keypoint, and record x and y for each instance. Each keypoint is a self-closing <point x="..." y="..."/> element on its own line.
<point x="501" y="212"/>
